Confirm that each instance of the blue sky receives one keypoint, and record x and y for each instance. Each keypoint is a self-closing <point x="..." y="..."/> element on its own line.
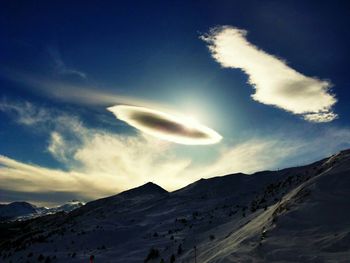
<point x="62" y="64"/>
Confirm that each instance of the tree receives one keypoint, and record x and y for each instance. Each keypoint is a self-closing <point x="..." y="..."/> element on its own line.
<point x="152" y="254"/>
<point x="195" y="254"/>
<point x="179" y="249"/>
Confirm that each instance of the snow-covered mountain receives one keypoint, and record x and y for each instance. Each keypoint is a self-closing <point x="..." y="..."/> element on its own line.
<point x="67" y="207"/>
<point x="299" y="214"/>
<point x="24" y="210"/>
<point x="16" y="209"/>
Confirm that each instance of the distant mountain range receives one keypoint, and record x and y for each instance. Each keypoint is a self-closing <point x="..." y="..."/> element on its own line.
<point x="299" y="214"/>
<point x="25" y="210"/>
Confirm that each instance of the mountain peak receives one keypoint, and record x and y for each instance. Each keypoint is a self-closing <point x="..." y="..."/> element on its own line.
<point x="21" y="204"/>
<point x="15" y="209"/>
<point x="248" y="216"/>
<point x="145" y="189"/>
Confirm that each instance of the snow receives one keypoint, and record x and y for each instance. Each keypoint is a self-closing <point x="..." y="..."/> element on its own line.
<point x="20" y="211"/>
<point x="298" y="214"/>
<point x="16" y="209"/>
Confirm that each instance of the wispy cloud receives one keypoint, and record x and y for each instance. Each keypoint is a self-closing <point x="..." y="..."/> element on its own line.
<point x="76" y="93"/>
<point x="60" y="65"/>
<point x="31" y="179"/>
<point x="275" y="83"/>
<point x="106" y="164"/>
<point x="57" y="146"/>
<point x="101" y="163"/>
<point x="24" y="112"/>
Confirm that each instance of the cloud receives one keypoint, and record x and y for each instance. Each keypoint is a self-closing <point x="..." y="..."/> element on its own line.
<point x="317" y="117"/>
<point x="106" y="164"/>
<point x="250" y="156"/>
<point x="76" y="93"/>
<point x="170" y="127"/>
<point x="56" y="146"/>
<point x="28" y="179"/>
<point x="61" y="67"/>
<point x="24" y="112"/>
<point x="101" y="163"/>
<point x="275" y="83"/>
<point x="28" y="114"/>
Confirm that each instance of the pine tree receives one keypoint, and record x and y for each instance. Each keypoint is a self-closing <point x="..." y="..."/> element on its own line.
<point x="153" y="253"/>
<point x="179" y="250"/>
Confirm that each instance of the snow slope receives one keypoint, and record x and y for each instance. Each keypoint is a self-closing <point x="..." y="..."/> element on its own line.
<point x="24" y="210"/>
<point x="297" y="214"/>
<point x="311" y="223"/>
<point x="67" y="207"/>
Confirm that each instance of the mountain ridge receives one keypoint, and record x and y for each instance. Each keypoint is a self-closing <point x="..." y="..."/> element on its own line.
<point x="21" y="210"/>
<point x="269" y="216"/>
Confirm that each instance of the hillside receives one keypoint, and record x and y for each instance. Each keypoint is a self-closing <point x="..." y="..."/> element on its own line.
<point x="298" y="214"/>
<point x="24" y="210"/>
<point x="16" y="209"/>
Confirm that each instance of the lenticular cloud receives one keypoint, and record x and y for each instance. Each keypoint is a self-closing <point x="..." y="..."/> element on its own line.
<point x="174" y="128"/>
<point x="274" y="81"/>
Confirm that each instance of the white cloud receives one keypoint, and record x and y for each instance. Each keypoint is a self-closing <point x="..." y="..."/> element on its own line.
<point x="31" y="179"/>
<point x="274" y="81"/>
<point x="57" y="145"/>
<point x="107" y="164"/>
<point x="101" y="163"/>
<point x="25" y="113"/>
<point x="170" y="127"/>
<point x="320" y="117"/>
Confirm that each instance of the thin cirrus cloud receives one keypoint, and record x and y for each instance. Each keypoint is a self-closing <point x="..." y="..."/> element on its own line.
<point x="61" y="67"/>
<point x="73" y="92"/>
<point x="275" y="83"/>
<point x="24" y="113"/>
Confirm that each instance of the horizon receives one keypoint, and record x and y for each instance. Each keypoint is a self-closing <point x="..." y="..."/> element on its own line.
<point x="175" y="190"/>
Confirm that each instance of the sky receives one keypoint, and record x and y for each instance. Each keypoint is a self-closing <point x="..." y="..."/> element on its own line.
<point x="228" y="86"/>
